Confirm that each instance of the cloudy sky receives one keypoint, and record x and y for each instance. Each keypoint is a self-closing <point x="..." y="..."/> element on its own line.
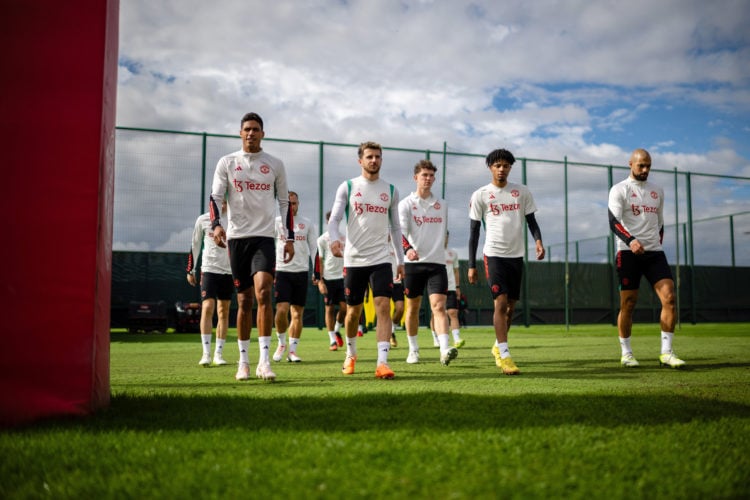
<point x="590" y="80"/>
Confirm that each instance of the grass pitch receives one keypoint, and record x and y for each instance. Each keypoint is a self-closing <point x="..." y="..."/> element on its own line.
<point x="574" y="424"/>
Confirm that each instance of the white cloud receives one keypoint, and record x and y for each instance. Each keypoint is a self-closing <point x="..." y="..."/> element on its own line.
<point x="570" y="79"/>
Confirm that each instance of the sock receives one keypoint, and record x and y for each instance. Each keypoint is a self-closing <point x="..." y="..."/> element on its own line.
<point x="504" y="351"/>
<point x="456" y="335"/>
<point x="383" y="348"/>
<point x="444" y="341"/>
<point x="244" y="346"/>
<point x="220" y="346"/>
<point x="337" y="327"/>
<point x="264" y="345"/>
<point x="359" y="329"/>
<point x="666" y="342"/>
<point x="293" y="343"/>
<point x="393" y="328"/>
<point x="625" y="346"/>
<point x="206" y="341"/>
<point x="281" y="337"/>
<point x="332" y="336"/>
<point x="351" y="346"/>
<point x="413" y="344"/>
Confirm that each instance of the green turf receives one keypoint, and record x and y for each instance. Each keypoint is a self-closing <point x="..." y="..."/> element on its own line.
<point x="574" y="424"/>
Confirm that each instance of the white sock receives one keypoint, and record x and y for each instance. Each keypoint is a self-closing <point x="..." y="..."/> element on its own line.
<point x="504" y="351"/>
<point x="281" y="337"/>
<point x="220" y="346"/>
<point x="666" y="342"/>
<point x="625" y="346"/>
<point x="293" y="343"/>
<point x="206" y="341"/>
<point x="383" y="348"/>
<point x="264" y="345"/>
<point x="244" y="346"/>
<point x="444" y="341"/>
<point x="413" y="343"/>
<point x="456" y="335"/>
<point x="337" y="327"/>
<point x="351" y="346"/>
<point x="332" y="336"/>
<point x="393" y="328"/>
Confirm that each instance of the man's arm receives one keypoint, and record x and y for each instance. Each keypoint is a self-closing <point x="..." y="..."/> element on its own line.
<point x="616" y="227"/>
<point x="536" y="233"/>
<point x="396" y="234"/>
<point x="337" y="213"/>
<point x="473" y="242"/>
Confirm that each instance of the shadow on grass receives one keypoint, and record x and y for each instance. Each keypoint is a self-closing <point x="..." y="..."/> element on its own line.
<point x="422" y="411"/>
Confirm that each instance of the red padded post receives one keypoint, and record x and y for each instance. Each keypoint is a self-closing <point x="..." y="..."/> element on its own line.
<point x="59" y="82"/>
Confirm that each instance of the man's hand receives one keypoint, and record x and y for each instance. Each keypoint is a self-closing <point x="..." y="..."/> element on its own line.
<point x="636" y="247"/>
<point x="336" y="248"/>
<point x="288" y="251"/>
<point x="191" y="279"/>
<point x="472" y="276"/>
<point x="322" y="288"/>
<point x="539" y="250"/>
<point x="400" y="272"/>
<point x="220" y="237"/>
<point x="412" y="254"/>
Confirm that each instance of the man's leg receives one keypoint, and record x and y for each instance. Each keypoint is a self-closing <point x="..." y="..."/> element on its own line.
<point x="351" y="324"/>
<point x="412" y="328"/>
<point x="628" y="300"/>
<point x="295" y="332"/>
<point x="501" y="321"/>
<point x="664" y="289"/>
<point x="383" y="334"/>
<point x="244" y="327"/>
<point x="282" y="325"/>
<point x="440" y="319"/>
<point x="207" y="316"/>
<point x="222" y="326"/>
<point x="263" y="283"/>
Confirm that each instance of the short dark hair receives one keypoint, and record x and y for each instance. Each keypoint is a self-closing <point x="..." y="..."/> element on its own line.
<point x="368" y="145"/>
<point x="255" y="117"/>
<point x="424" y="164"/>
<point x="498" y="155"/>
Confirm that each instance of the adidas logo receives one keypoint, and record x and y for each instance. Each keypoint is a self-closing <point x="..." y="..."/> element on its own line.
<point x="358" y="195"/>
<point x="238" y="168"/>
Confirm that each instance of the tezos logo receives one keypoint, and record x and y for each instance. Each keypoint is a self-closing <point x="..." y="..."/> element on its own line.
<point x="358" y="209"/>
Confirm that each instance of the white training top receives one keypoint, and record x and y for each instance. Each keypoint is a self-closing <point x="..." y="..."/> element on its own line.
<point x="332" y="267"/>
<point x="371" y="209"/>
<point x="215" y="258"/>
<point x="639" y="206"/>
<point x="251" y="181"/>
<point x="451" y="264"/>
<point x="305" y="239"/>
<point x="502" y="212"/>
<point x="424" y="223"/>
